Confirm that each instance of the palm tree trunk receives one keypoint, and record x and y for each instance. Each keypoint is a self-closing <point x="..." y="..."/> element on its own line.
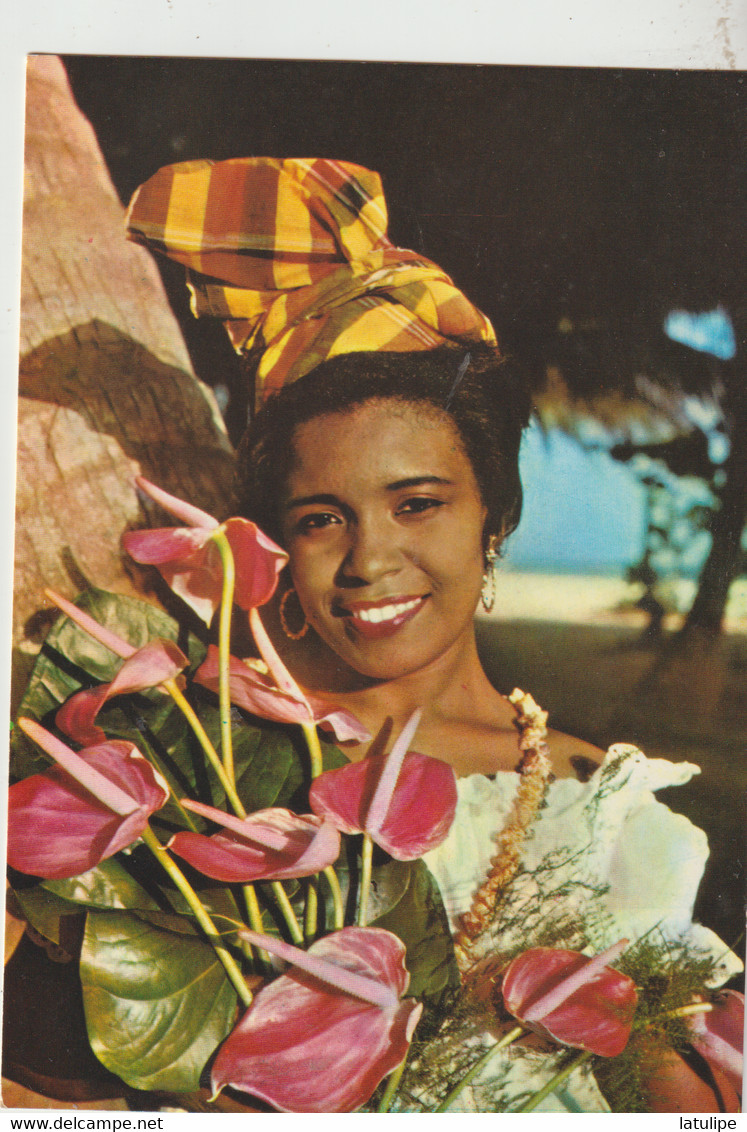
<point x="725" y="556"/>
<point x="106" y="386"/>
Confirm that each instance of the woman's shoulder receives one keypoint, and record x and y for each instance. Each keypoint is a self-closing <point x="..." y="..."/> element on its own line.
<point x="483" y="737"/>
<point x="572" y="757"/>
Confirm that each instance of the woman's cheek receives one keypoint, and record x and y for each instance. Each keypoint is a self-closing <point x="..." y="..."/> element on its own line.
<point x="312" y="581"/>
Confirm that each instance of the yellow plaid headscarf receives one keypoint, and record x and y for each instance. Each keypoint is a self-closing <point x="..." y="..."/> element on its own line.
<point x="293" y="256"/>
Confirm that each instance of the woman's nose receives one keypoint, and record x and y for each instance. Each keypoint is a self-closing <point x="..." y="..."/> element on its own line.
<point x="374" y="551"/>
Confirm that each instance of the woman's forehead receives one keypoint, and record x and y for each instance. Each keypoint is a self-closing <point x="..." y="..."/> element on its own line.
<point x="381" y="441"/>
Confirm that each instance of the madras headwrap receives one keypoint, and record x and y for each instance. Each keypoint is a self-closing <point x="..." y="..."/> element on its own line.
<point x="293" y="256"/>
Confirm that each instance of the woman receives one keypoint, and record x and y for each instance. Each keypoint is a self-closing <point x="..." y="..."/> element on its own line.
<point x="345" y="335"/>
<point x="384" y="458"/>
<point x="393" y="509"/>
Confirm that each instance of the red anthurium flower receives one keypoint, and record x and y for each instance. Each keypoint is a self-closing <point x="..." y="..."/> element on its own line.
<point x="719" y="1035"/>
<point x="571" y="998"/>
<point x="403" y="800"/>
<point x="253" y="689"/>
<point x="189" y="561"/>
<point x="147" y="667"/>
<point x="267" y="845"/>
<point x="322" y="1036"/>
<point x="83" y="810"/>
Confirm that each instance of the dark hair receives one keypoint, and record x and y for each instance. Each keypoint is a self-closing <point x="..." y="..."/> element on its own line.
<point x="488" y="406"/>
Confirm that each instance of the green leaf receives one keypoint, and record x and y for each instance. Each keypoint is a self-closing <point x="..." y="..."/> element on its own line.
<point x="44" y="910"/>
<point x="416" y="914"/>
<point x="157" y="1002"/>
<point x="110" y="885"/>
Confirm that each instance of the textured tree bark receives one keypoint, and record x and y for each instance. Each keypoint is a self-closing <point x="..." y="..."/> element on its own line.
<point x="106" y="386"/>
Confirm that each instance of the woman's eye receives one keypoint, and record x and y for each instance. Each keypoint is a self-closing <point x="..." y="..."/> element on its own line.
<point x="316" y="522"/>
<point x="418" y="504"/>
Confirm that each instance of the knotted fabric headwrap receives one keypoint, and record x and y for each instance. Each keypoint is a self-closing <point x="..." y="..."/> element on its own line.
<point x="293" y="256"/>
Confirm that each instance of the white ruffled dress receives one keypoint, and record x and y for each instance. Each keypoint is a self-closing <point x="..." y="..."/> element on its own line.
<point x="602" y="853"/>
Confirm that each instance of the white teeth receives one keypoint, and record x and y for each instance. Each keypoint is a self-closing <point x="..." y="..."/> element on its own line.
<point x="385" y="612"/>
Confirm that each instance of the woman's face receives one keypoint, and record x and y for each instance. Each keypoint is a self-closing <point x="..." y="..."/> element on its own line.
<point x="383" y="520"/>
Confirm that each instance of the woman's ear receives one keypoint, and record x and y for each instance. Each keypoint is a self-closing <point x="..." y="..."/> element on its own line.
<point x="492" y="541"/>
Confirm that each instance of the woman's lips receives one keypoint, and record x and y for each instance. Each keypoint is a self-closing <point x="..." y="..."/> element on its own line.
<point x="374" y="620"/>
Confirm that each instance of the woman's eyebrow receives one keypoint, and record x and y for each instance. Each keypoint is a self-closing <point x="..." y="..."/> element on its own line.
<point x="418" y="481"/>
<point x="304" y="500"/>
<point x="328" y="500"/>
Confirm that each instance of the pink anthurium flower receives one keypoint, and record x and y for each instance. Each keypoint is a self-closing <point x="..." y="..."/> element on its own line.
<point x="404" y="801"/>
<point x="189" y="561"/>
<point x="267" y="845"/>
<point x="571" y="998"/>
<point x="85" y="809"/>
<point x="719" y="1035"/>
<point x="153" y="664"/>
<point x="322" y="1036"/>
<point x="253" y="689"/>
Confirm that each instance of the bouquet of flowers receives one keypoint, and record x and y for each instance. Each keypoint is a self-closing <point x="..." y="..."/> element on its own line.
<point x="258" y="916"/>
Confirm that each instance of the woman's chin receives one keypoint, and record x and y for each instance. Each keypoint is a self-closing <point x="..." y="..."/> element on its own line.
<point x="386" y="659"/>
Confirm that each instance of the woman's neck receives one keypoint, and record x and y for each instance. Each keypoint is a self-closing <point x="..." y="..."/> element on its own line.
<point x="452" y="685"/>
<point x="465" y="721"/>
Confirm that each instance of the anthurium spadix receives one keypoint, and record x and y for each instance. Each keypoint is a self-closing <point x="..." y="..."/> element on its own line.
<point x="147" y="667"/>
<point x="190" y="563"/>
<point x="322" y="1036"/>
<point x="83" y="810"/>
<point x="571" y="998"/>
<point x="404" y="801"/>
<point x="272" y="844"/>
<point x="253" y="688"/>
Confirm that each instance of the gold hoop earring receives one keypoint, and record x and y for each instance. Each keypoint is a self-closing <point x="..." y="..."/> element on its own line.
<point x="487" y="594"/>
<point x="286" y="629"/>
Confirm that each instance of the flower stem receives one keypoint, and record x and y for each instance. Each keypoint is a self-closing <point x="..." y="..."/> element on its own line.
<point x="312" y="898"/>
<point x="676" y="1012"/>
<point x="224" y="647"/>
<point x="311" y="911"/>
<point x="337" y="901"/>
<point x="203" y="919"/>
<point x="366" y="862"/>
<point x="287" y="909"/>
<point x="315" y="748"/>
<point x="553" y="1083"/>
<point x="690" y="1008"/>
<point x="212" y="755"/>
<point x="479" y="1065"/>
<point x="392" y="1085"/>
<point x="254" y="912"/>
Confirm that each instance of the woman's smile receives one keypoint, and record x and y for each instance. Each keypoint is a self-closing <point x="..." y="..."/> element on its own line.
<point x="374" y="620"/>
<point x="383" y="523"/>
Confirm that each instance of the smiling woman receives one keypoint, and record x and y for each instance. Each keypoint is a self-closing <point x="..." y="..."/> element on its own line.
<point x="392" y="480"/>
<point x="383" y="459"/>
<point x="389" y="573"/>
